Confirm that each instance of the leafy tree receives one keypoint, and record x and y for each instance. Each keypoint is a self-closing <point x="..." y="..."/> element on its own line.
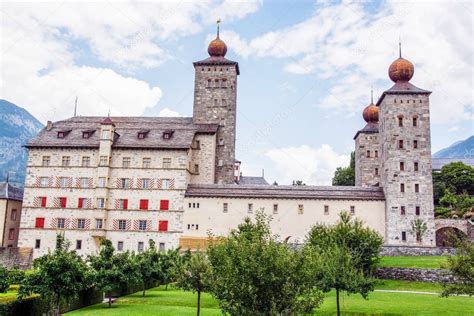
<point x="461" y="266"/>
<point x="58" y="276"/>
<point x="350" y="255"/>
<point x="4" y="279"/>
<point x="458" y="177"/>
<point x="149" y="267"/>
<point x="253" y="273"/>
<point x="169" y="261"/>
<point x="195" y="276"/>
<point x="418" y="228"/>
<point x="298" y="182"/>
<point x="16" y="276"/>
<point x="112" y="271"/>
<point x="345" y="175"/>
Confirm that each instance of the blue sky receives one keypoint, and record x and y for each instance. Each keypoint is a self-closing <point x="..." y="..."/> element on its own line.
<point x="306" y="68"/>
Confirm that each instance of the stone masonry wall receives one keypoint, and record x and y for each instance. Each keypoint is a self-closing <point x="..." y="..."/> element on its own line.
<point x="406" y="106"/>
<point x="367" y="169"/>
<point x="16" y="257"/>
<point x="215" y="96"/>
<point x="410" y="274"/>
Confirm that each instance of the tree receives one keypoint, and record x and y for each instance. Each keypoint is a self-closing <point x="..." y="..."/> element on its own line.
<point x="350" y="253"/>
<point x="112" y="271"/>
<point x="345" y="175"/>
<point x="458" y="177"/>
<point x="297" y="182"/>
<point x="418" y="228"/>
<point x="4" y="279"/>
<point x="149" y="267"/>
<point x="253" y="273"/>
<point x="195" y="276"/>
<point x="461" y="266"/>
<point x="169" y="262"/>
<point x="58" y="276"/>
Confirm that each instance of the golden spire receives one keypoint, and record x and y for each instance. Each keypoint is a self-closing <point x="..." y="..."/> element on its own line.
<point x="372" y="94"/>
<point x="218" y="24"/>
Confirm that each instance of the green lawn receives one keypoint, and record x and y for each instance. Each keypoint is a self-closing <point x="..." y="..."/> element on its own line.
<point x="176" y="302"/>
<point x="427" y="262"/>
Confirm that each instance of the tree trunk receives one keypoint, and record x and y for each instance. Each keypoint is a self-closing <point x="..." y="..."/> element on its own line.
<point x="199" y="303"/>
<point x="337" y="303"/>
<point x="110" y="299"/>
<point x="144" y="289"/>
<point x="166" y="287"/>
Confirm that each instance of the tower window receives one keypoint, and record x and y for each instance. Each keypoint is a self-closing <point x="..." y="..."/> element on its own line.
<point x="216" y="83"/>
<point x="376" y="171"/>
<point x="209" y="83"/>
<point x="404" y="236"/>
<point x="368" y="154"/>
<point x="402" y="210"/>
<point x="400" y="144"/>
<point x="415" y="166"/>
<point x="216" y="102"/>
<point x="402" y="166"/>
<point x="400" y="121"/>
<point x="376" y="154"/>
<point x="402" y="187"/>
<point x="167" y="134"/>
<point x="417" y="188"/>
<point x="415" y="144"/>
<point x="224" y="83"/>
<point x="415" y="121"/>
<point x="417" y="211"/>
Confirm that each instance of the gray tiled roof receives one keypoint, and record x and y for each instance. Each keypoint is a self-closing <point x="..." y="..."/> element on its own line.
<point x="13" y="193"/>
<point x="127" y="129"/>
<point x="246" y="180"/>
<point x="217" y="60"/>
<point x="285" y="191"/>
<point x="369" y="128"/>
<point x="402" y="87"/>
<point x="438" y="163"/>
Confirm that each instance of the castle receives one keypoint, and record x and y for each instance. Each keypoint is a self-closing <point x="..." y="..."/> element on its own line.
<point x="131" y="179"/>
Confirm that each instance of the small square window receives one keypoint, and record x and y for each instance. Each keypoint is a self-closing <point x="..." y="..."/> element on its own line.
<point x="162" y="246"/>
<point x="102" y="182"/>
<point x="78" y="244"/>
<point x="166" y="163"/>
<point x="86" y="161"/>
<point x="126" y="162"/>
<point x="103" y="161"/>
<point x="250" y="208"/>
<point x="300" y="208"/>
<point x="84" y="182"/>
<point x="326" y="209"/>
<point x="353" y="209"/>
<point x="404" y="236"/>
<point x="275" y="208"/>
<point x="37" y="243"/>
<point x="140" y="246"/>
<point x="402" y="210"/>
<point x="120" y="246"/>
<point x="146" y="163"/>
<point x="142" y="225"/>
<point x="44" y="181"/>
<point x="66" y="161"/>
<point x="61" y="223"/>
<point x="145" y="183"/>
<point x="81" y="223"/>
<point x="65" y="182"/>
<point x="46" y="161"/>
<point x="100" y="202"/>
<point x="122" y="224"/>
<point x="99" y="223"/>
<point x="225" y="207"/>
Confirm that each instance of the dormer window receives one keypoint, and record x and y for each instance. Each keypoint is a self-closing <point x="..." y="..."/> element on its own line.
<point x="167" y="134"/>
<point x="62" y="134"/>
<point x="142" y="134"/>
<point x="87" y="134"/>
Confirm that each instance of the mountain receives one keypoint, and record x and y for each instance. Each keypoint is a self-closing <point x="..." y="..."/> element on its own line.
<point x="17" y="126"/>
<point x="460" y="149"/>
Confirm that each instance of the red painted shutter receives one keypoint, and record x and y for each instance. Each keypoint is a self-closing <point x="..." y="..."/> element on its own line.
<point x="125" y="204"/>
<point x="62" y="202"/>
<point x="164" y="205"/>
<point x="163" y="226"/>
<point x="39" y="222"/>
<point x="143" y="204"/>
<point x="43" y="201"/>
<point x="80" y="203"/>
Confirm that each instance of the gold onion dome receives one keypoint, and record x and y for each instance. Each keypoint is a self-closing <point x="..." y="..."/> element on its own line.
<point x="401" y="69"/>
<point x="217" y="47"/>
<point x="371" y="111"/>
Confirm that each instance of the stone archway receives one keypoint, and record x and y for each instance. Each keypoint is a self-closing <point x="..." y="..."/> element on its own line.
<point x="443" y="236"/>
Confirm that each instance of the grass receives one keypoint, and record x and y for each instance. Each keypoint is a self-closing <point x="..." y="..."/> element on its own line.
<point x="422" y="262"/>
<point x="176" y="302"/>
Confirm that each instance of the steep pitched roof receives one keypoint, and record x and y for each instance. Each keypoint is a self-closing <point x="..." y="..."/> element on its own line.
<point x="7" y="191"/>
<point x="126" y="130"/>
<point x="285" y="191"/>
<point x="246" y="180"/>
<point x="402" y="87"/>
<point x="369" y="128"/>
<point x="216" y="61"/>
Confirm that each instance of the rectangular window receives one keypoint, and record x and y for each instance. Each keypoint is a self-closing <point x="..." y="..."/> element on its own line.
<point x="103" y="161"/>
<point x="376" y="171"/>
<point x="275" y="208"/>
<point x="11" y="234"/>
<point x="124" y="183"/>
<point x="44" y="182"/>
<point x="400" y="121"/>
<point x="62" y="202"/>
<point x="105" y="134"/>
<point x="402" y="187"/>
<point x="146" y="163"/>
<point x="123" y="204"/>
<point x="376" y="154"/>
<point x="122" y="224"/>
<point x="404" y="236"/>
<point x="417" y="210"/>
<point x="120" y="245"/>
<point x="13" y="215"/>
<point x="81" y="223"/>
<point x="196" y="168"/>
<point x="415" y="121"/>
<point x="164" y="205"/>
<point x="86" y="161"/>
<point x="140" y="246"/>
<point x="162" y="246"/>
<point x="415" y="144"/>
<point x="64" y="182"/>
<point x="100" y="202"/>
<point x="84" y="182"/>
<point x="300" y="208"/>
<point x="415" y="166"/>
<point x="144" y="204"/>
<point x="145" y="183"/>
<point x="250" y="208"/>
<point x="66" y="161"/>
<point x="37" y="243"/>
<point x="46" y="161"/>
<point x="99" y="223"/>
<point x="166" y="162"/>
<point x="81" y="202"/>
<point x="165" y="184"/>
<point x="126" y="162"/>
<point x="326" y="209"/>
<point x="61" y="223"/>
<point x="402" y="210"/>
<point x="163" y="226"/>
<point x="400" y="144"/>
<point x="225" y="207"/>
<point x="43" y="201"/>
<point x="402" y="166"/>
<point x="102" y="182"/>
<point x="368" y="154"/>
<point x="142" y="225"/>
<point x="417" y="188"/>
<point x="78" y="244"/>
<point x="353" y="209"/>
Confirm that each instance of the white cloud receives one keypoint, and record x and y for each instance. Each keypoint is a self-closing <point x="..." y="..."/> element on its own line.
<point x="314" y="166"/>
<point x="166" y="112"/>
<point x="354" y="45"/>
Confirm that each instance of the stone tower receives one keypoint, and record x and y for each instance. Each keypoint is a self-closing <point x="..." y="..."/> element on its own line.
<point x="367" y="149"/>
<point x="215" y="96"/>
<point x="404" y="127"/>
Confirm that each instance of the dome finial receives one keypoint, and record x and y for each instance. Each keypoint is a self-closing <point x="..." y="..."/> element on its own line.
<point x="400" y="46"/>
<point x="218" y="24"/>
<point x="217" y="48"/>
<point x="372" y="94"/>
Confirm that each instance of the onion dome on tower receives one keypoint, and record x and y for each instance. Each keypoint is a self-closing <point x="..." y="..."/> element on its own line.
<point x="371" y="112"/>
<point x="217" y="47"/>
<point x="401" y="69"/>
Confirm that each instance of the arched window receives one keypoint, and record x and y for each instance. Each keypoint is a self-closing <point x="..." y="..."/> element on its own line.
<point x="368" y="153"/>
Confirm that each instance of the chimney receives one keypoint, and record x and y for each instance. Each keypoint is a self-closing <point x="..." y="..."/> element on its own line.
<point x="49" y="125"/>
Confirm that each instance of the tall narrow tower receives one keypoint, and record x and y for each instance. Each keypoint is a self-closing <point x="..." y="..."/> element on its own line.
<point x="404" y="127"/>
<point x="367" y="148"/>
<point x="215" y="101"/>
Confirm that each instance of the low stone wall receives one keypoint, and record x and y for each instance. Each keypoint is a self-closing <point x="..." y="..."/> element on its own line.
<point x="20" y="257"/>
<point x="416" y="251"/>
<point x="411" y="274"/>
